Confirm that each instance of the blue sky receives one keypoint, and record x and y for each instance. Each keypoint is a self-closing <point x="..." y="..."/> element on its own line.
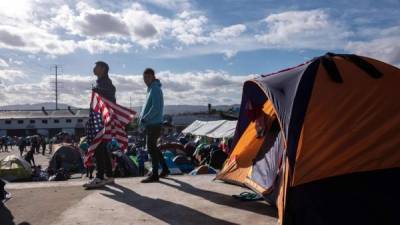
<point x="202" y="50"/>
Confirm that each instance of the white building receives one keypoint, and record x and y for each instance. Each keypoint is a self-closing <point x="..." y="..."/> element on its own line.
<point x="45" y="122"/>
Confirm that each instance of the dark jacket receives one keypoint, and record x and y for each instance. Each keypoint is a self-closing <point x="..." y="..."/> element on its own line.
<point x="105" y="88"/>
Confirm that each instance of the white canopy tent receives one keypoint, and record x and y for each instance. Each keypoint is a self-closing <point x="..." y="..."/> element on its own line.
<point x="213" y="129"/>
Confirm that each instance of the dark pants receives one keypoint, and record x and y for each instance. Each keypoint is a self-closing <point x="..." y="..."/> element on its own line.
<point x="152" y="135"/>
<point x="43" y="149"/>
<point x="2" y="191"/>
<point x="103" y="161"/>
<point x="21" y="150"/>
<point x="89" y="172"/>
<point x="35" y="148"/>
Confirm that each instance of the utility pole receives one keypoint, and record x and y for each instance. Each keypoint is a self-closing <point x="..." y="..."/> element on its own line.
<point x="56" y="87"/>
<point x="56" y="70"/>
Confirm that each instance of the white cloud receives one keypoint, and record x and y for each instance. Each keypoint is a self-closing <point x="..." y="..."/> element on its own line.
<point x="16" y="62"/>
<point x="3" y="63"/>
<point x="10" y="75"/>
<point x="229" y="32"/>
<point x="16" y="9"/>
<point x="216" y="87"/>
<point x="311" y="29"/>
<point x="188" y="28"/>
<point x="99" y="46"/>
<point x="384" y="45"/>
<point x="62" y="27"/>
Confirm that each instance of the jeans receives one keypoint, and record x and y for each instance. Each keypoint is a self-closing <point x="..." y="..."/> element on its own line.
<point x="152" y="134"/>
<point x="103" y="161"/>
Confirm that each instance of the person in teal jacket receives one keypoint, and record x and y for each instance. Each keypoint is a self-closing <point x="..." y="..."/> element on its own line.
<point x="152" y="111"/>
<point x="150" y="120"/>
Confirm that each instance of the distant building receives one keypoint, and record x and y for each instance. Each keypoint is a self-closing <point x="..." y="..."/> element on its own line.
<point x="45" y="122"/>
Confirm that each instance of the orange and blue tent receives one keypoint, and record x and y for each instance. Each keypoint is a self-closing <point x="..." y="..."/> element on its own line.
<point x="322" y="141"/>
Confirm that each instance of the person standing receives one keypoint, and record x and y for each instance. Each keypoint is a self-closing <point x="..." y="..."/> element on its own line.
<point x="150" y="120"/>
<point x="105" y="88"/>
<point x="43" y="143"/>
<point x="35" y="145"/>
<point x="21" y="145"/>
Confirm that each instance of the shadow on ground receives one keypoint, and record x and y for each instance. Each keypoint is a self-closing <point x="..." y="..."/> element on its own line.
<point x="221" y="199"/>
<point x="6" y="218"/>
<point x="169" y="212"/>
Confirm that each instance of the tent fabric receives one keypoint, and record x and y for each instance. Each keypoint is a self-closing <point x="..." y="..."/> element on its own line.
<point x="193" y="127"/>
<point x="264" y="172"/>
<point x="127" y="167"/>
<point x="183" y="163"/>
<point x="204" y="169"/>
<point x="373" y="122"/>
<point x="338" y="117"/>
<point x="14" y="168"/>
<point x="212" y="129"/>
<point x="67" y="157"/>
<point x="169" y="160"/>
<point x="227" y="129"/>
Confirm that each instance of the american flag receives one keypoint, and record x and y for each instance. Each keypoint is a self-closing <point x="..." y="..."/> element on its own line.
<point x="107" y="120"/>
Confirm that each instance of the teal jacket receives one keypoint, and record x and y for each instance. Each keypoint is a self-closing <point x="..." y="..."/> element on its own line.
<point x="152" y="111"/>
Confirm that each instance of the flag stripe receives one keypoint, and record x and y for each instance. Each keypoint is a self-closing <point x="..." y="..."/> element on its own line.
<point x="114" y="118"/>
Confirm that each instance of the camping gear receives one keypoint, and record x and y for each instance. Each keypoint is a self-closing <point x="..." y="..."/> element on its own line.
<point x="204" y="169"/>
<point x="176" y="148"/>
<point x="125" y="166"/>
<point x="183" y="163"/>
<point x="67" y="157"/>
<point x="248" y="196"/>
<point x="173" y="168"/>
<point x="60" y="175"/>
<point x="14" y="168"/>
<point x="83" y="145"/>
<point x="329" y="147"/>
<point x="217" y="158"/>
<point x="168" y="156"/>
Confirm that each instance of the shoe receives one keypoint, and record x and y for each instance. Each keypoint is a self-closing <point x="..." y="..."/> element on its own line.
<point x="7" y="196"/>
<point x="165" y="173"/>
<point x="149" y="174"/>
<point x="151" y="179"/>
<point x="109" y="180"/>
<point x="95" y="183"/>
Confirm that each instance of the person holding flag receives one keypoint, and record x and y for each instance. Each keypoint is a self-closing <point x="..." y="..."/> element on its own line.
<point x="107" y="120"/>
